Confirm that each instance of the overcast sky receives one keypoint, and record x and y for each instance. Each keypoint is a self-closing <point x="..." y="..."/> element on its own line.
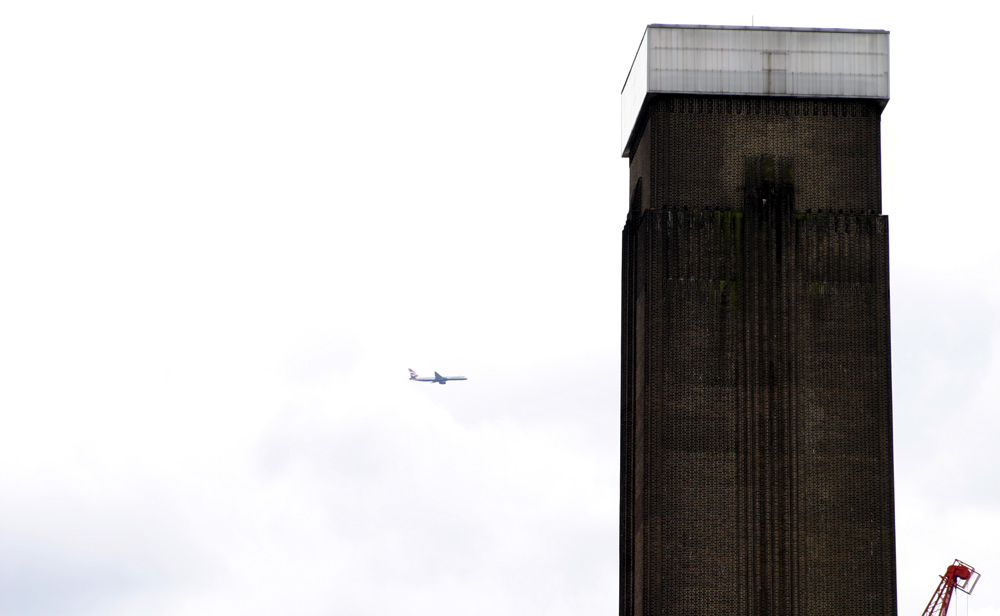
<point x="228" y="228"/>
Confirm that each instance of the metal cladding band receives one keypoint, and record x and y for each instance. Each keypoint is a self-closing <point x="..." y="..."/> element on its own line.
<point x="785" y="62"/>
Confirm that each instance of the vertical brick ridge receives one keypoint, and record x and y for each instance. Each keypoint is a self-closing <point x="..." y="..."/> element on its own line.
<point x="879" y="277"/>
<point x="797" y="330"/>
<point x="768" y="266"/>
<point x="627" y="487"/>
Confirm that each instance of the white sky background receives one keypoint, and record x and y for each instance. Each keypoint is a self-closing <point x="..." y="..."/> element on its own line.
<point x="228" y="228"/>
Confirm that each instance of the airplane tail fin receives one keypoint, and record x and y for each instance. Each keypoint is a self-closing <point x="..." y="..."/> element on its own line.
<point x="413" y="375"/>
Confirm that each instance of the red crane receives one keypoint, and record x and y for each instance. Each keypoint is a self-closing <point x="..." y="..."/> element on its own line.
<point x="959" y="575"/>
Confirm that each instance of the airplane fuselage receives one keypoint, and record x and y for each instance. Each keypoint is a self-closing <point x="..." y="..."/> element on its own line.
<point x="437" y="378"/>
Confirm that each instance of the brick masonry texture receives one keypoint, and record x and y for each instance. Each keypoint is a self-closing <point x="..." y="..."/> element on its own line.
<point x="756" y="473"/>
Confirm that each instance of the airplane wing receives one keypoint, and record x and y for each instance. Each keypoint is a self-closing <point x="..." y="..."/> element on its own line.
<point x="444" y="379"/>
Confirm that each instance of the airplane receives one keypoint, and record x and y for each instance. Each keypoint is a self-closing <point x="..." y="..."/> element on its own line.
<point x="437" y="378"/>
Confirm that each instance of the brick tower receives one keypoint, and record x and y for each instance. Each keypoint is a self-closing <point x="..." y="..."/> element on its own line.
<point x="756" y="475"/>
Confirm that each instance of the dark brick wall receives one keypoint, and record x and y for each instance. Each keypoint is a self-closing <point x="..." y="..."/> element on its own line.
<point x="691" y="149"/>
<point x="756" y="411"/>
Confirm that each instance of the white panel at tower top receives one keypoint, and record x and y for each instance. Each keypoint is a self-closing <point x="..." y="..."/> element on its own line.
<point x="748" y="61"/>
